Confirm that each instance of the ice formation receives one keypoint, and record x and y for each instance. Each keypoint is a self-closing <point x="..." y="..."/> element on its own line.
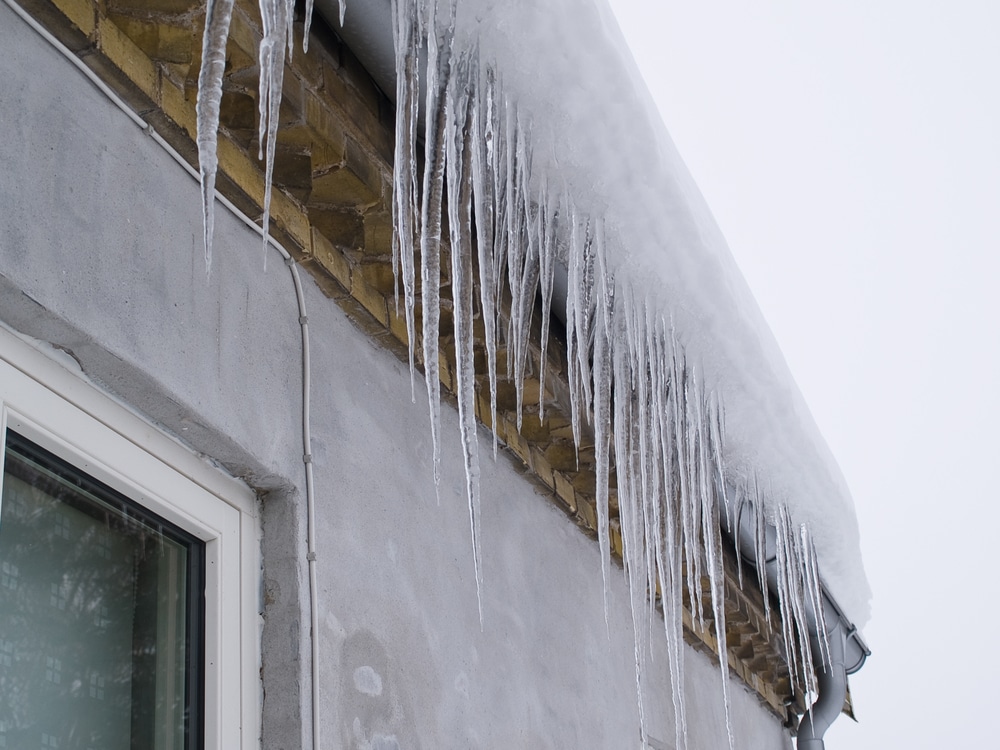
<point x="218" y="14"/>
<point x="668" y="366"/>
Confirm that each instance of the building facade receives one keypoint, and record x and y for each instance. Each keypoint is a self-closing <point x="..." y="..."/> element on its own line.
<point x="327" y="593"/>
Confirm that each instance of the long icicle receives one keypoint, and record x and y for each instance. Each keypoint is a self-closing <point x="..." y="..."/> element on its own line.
<point x="276" y="20"/>
<point x="459" y="175"/>
<point x="547" y="263"/>
<point x="438" y="69"/>
<point x="602" y="420"/>
<point x="218" y="15"/>
<point x="404" y="193"/>
<point x="630" y="498"/>
<point x="670" y="562"/>
<point x="712" y="541"/>
<point x="483" y="159"/>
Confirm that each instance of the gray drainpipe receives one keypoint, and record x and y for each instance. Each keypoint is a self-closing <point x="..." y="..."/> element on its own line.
<point x="848" y="651"/>
<point x="832" y="685"/>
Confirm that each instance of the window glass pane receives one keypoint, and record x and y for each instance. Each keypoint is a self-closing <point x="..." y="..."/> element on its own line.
<point x="100" y="615"/>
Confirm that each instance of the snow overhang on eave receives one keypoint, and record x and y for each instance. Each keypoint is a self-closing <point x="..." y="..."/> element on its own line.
<point x="611" y="144"/>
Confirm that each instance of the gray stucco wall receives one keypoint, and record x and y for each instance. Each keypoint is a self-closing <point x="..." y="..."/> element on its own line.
<point x="100" y="255"/>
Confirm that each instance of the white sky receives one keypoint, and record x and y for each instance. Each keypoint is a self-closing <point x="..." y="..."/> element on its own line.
<point x="851" y="154"/>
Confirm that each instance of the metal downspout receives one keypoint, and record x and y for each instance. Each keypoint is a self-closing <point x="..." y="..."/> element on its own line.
<point x="831" y="683"/>
<point x="847" y="651"/>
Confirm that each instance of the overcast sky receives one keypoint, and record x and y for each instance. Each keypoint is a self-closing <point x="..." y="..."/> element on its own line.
<point x="850" y="152"/>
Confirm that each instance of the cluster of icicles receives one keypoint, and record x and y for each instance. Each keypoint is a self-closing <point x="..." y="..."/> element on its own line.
<point x="630" y="383"/>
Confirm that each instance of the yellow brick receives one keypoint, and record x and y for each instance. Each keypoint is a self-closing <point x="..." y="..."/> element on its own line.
<point x="585" y="482"/>
<point x="330" y="130"/>
<point x="586" y="513"/>
<point x="565" y="491"/>
<point x="445" y="371"/>
<point x="514" y="440"/>
<point x="166" y="7"/>
<point x="341" y="187"/>
<point x="241" y="169"/>
<point x="287" y="215"/>
<point x="331" y="259"/>
<point x="178" y="108"/>
<point x="160" y="41"/>
<point x="397" y="323"/>
<point x="244" y="33"/>
<point x="131" y="60"/>
<point x="541" y="467"/>
<point x="378" y="233"/>
<point x="483" y="411"/>
<point x="372" y="301"/>
<point x="80" y="12"/>
<point x="563" y="432"/>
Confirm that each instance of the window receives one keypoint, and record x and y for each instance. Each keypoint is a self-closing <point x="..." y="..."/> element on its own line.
<point x="101" y="613"/>
<point x="128" y="577"/>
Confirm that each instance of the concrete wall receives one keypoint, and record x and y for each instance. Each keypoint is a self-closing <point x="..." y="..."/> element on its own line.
<point x="100" y="254"/>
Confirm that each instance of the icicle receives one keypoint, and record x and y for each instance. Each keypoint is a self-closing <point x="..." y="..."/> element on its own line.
<point x="584" y="306"/>
<point x="700" y="503"/>
<point x="276" y="21"/>
<point x="459" y="179"/>
<point x="289" y="20"/>
<point x="685" y="440"/>
<point x="504" y="203"/>
<point x="602" y="425"/>
<point x="573" y="338"/>
<point x="740" y="500"/>
<point x="629" y="500"/>
<point x="430" y="225"/>
<point x="512" y="250"/>
<point x="218" y="14"/>
<point x="784" y="601"/>
<point x="668" y="541"/>
<point x="792" y="598"/>
<point x="712" y="540"/>
<point x="522" y="260"/>
<point x="547" y="265"/>
<point x="815" y="588"/>
<point x="716" y="433"/>
<point x="639" y="350"/>
<point x="307" y="26"/>
<point x="482" y="136"/>
<point x="404" y="193"/>
<point x="632" y="435"/>
<point x="760" y="547"/>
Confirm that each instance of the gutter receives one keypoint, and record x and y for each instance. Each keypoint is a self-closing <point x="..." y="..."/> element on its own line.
<point x="837" y="653"/>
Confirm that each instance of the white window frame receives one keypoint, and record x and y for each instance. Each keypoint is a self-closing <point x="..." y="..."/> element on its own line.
<point x="63" y="413"/>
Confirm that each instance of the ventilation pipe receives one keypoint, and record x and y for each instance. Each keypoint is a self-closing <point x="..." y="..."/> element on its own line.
<point x="841" y="654"/>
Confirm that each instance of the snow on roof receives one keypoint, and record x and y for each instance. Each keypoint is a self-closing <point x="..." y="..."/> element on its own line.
<point x="596" y="135"/>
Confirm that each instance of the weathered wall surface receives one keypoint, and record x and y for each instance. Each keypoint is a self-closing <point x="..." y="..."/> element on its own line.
<point x="100" y="255"/>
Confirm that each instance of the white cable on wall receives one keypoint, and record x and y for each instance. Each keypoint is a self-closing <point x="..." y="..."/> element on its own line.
<point x="303" y="325"/>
